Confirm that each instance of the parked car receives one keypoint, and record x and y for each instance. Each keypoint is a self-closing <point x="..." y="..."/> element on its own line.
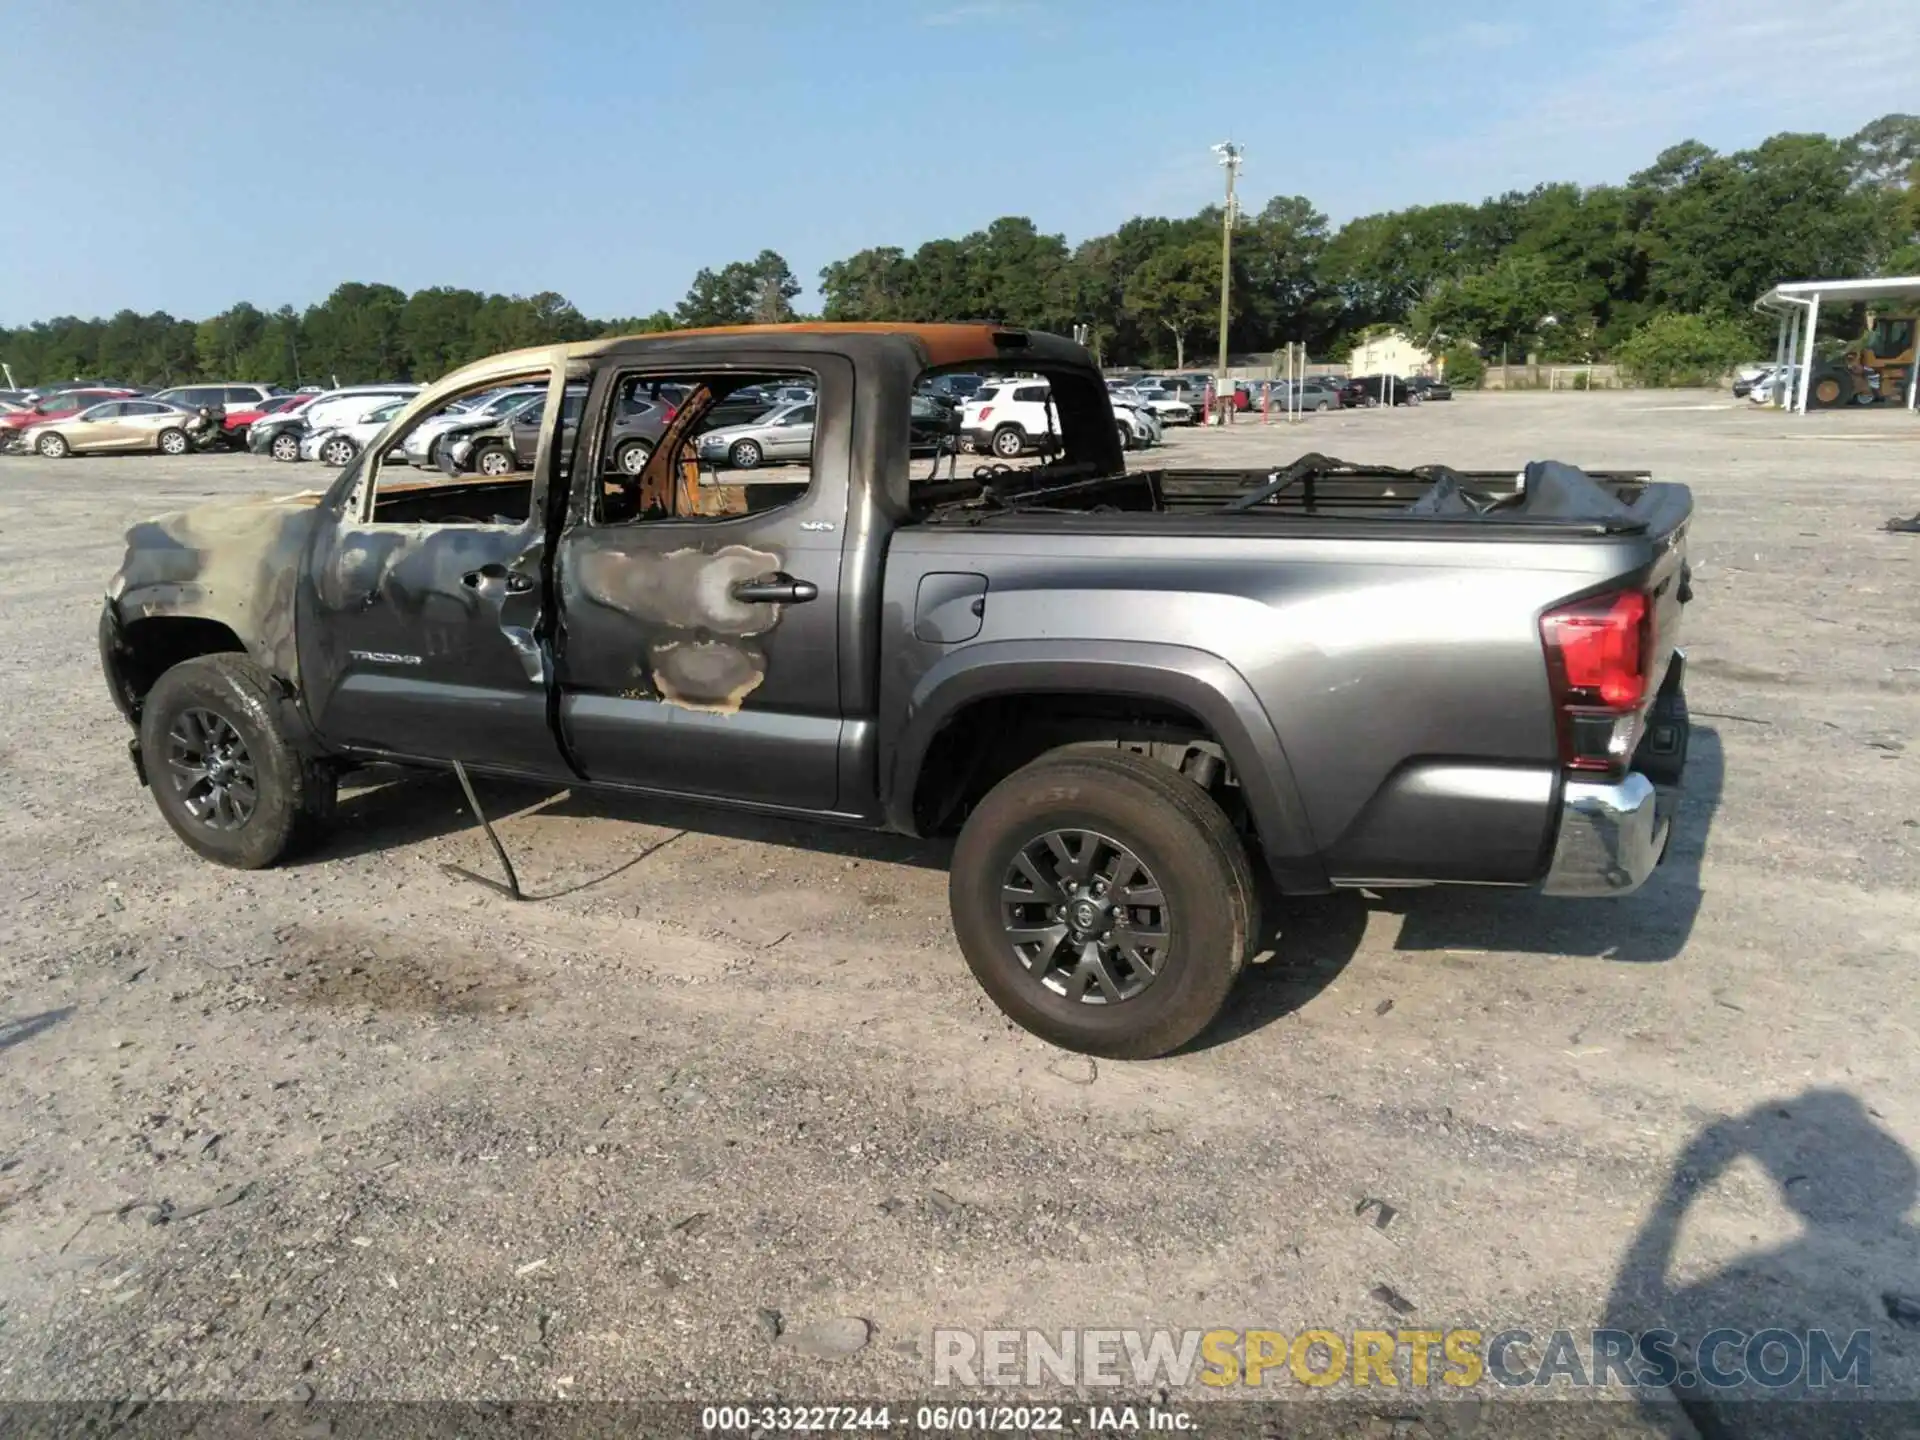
<point x="135" y="424"/>
<point x="1136" y="424"/>
<point x="783" y="433"/>
<point x="61" y="405"/>
<point x="1315" y="393"/>
<point x="1126" y="698"/>
<point x="1428" y="387"/>
<point x="236" y="423"/>
<point x="280" y="435"/>
<point x="219" y="395"/>
<point x="957" y="388"/>
<point x="337" y="443"/>
<point x="1171" y="409"/>
<point x="510" y="442"/>
<point x="1377" y="390"/>
<point x="1011" y="419"/>
<point x="63" y="387"/>
<point x="933" y="426"/>
<point x="422" y="447"/>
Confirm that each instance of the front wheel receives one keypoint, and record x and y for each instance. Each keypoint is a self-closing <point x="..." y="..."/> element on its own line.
<point x="338" y="452"/>
<point x="52" y="447"/>
<point x="1104" y="902"/>
<point x="1127" y="442"/>
<point x="174" y="442"/>
<point x="221" y="768"/>
<point x="745" y="455"/>
<point x="493" y="460"/>
<point x="285" y="446"/>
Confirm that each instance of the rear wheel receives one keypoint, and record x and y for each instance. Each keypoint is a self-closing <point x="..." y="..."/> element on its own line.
<point x="1104" y="902"/>
<point x="173" y="442"/>
<point x="53" y="447"/>
<point x="221" y="768"/>
<point x="631" y="458"/>
<point x="1009" y="441"/>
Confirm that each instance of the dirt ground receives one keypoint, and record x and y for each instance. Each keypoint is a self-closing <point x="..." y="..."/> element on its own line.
<point x="358" y="1129"/>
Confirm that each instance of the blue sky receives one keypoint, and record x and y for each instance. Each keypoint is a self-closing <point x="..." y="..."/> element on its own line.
<point x="187" y="157"/>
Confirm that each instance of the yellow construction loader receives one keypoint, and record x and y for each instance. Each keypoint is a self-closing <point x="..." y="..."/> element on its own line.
<point x="1878" y="368"/>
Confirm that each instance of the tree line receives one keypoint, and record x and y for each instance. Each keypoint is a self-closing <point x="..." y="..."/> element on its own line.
<point x="1570" y="273"/>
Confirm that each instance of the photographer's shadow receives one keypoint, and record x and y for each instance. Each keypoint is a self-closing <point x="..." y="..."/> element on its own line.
<point x="1854" y="1265"/>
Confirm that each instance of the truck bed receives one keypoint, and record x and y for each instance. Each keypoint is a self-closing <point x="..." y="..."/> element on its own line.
<point x="1546" y="494"/>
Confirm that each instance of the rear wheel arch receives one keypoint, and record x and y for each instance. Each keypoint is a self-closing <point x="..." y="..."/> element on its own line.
<point x="990" y="708"/>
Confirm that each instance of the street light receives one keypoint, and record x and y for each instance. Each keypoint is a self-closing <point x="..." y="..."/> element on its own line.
<point x="1229" y="159"/>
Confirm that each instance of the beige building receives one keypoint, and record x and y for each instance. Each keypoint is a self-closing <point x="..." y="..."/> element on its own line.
<point x="1392" y="354"/>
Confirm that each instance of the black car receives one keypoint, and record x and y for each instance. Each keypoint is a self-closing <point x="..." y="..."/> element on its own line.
<point x="1428" y="388"/>
<point x="1377" y="390"/>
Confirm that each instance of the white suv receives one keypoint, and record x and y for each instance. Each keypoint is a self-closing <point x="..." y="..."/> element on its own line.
<point x="1009" y="418"/>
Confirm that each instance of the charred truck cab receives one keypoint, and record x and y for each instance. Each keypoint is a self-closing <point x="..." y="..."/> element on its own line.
<point x="1123" y="690"/>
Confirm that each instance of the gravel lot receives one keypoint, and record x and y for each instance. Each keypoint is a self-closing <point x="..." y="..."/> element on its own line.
<point x="455" y="1147"/>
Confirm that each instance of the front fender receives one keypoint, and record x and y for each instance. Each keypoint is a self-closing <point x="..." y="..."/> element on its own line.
<point x="1195" y="680"/>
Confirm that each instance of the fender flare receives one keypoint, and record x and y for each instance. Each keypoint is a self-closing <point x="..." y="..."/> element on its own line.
<point x="1195" y="680"/>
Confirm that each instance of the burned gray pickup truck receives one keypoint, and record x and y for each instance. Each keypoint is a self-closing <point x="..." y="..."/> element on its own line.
<point x="1128" y="693"/>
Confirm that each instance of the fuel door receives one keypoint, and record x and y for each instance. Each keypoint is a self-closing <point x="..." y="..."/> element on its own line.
<point x="949" y="607"/>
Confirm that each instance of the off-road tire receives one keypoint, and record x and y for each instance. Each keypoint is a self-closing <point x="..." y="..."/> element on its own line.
<point x="1183" y="838"/>
<point x="295" y="794"/>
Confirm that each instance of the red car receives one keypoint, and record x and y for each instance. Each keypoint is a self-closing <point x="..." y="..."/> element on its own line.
<point x="57" y="406"/>
<point x="237" y="421"/>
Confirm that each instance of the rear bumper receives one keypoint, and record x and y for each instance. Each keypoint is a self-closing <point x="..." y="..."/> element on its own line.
<point x="1611" y="837"/>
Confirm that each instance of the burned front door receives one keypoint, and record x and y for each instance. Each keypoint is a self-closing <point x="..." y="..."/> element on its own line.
<point x="698" y="646"/>
<point x="420" y="613"/>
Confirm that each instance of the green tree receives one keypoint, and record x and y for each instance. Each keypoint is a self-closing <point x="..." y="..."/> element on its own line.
<point x="747" y="291"/>
<point x="870" y="285"/>
<point x="1176" y="291"/>
<point x="1685" y="349"/>
<point x="355" y="334"/>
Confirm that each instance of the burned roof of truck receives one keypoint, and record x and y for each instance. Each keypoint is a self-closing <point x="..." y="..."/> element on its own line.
<point x="940" y="346"/>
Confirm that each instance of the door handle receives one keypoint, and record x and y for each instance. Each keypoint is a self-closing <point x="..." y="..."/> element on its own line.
<point x="512" y="581"/>
<point x="776" y="589"/>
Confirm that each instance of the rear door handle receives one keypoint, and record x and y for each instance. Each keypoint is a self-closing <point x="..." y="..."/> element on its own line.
<point x="776" y="589"/>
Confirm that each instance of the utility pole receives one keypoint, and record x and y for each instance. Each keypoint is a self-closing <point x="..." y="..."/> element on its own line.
<point x="1229" y="154"/>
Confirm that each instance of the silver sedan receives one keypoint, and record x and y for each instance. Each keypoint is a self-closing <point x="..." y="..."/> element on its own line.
<point x="784" y="433"/>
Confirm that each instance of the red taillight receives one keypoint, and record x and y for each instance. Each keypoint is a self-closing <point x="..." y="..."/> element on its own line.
<point x="1597" y="656"/>
<point x="672" y="410"/>
<point x="1599" y="643"/>
<point x="985" y="411"/>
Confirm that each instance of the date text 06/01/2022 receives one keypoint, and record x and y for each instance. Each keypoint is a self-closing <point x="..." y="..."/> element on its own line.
<point x="938" y="1419"/>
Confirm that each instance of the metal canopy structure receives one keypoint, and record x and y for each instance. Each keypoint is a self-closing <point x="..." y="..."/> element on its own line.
<point x="1798" y="299"/>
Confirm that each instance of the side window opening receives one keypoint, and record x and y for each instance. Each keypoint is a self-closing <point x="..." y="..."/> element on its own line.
<point x="704" y="445"/>
<point x="467" y="461"/>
